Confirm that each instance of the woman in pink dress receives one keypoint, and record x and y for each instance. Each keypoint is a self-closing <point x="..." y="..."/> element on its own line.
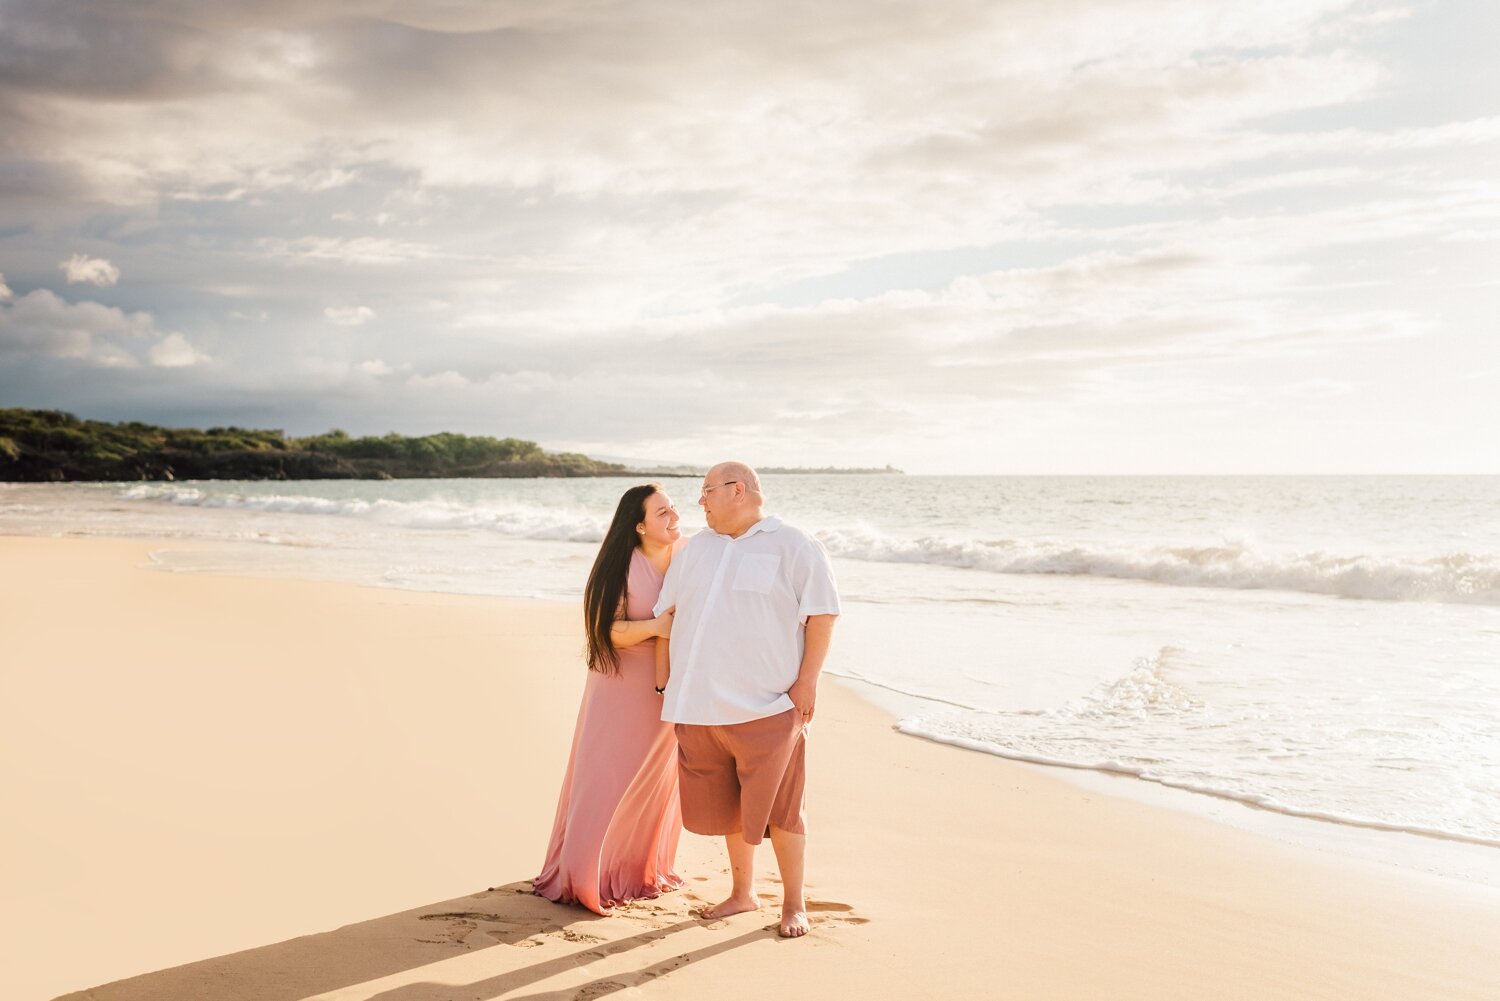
<point x="618" y="818"/>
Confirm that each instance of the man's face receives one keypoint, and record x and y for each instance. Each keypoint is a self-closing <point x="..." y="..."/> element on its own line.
<point x="715" y="497"/>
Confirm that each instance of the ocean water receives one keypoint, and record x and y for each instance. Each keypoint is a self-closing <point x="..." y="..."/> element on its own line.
<point x="1325" y="647"/>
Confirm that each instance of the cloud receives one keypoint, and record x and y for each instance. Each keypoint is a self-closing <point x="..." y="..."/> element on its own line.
<point x="93" y="270"/>
<point x="113" y="356"/>
<point x="448" y="380"/>
<point x="6" y="295"/>
<point x="358" y="250"/>
<point x="854" y="220"/>
<point x="681" y="104"/>
<point x="41" y="324"/>
<point x="349" y="316"/>
<point x="175" y="351"/>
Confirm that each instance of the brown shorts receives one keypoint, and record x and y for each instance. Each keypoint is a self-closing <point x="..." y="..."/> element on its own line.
<point x="744" y="776"/>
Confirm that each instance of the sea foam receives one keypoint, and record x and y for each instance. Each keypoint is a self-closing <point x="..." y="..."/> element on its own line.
<point x="1452" y="577"/>
<point x="1147" y="725"/>
<point x="513" y="519"/>
<point x="1456" y="577"/>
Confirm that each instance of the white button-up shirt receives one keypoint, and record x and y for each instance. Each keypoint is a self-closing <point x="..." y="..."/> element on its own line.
<point x="742" y="607"/>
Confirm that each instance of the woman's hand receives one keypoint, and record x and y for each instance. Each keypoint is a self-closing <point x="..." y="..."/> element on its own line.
<point x="662" y="624"/>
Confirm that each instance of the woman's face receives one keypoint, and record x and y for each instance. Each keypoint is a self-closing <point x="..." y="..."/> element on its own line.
<point x="660" y="525"/>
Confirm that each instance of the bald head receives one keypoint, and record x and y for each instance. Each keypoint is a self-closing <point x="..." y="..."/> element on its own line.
<point x="739" y="473"/>
<point x="731" y="498"/>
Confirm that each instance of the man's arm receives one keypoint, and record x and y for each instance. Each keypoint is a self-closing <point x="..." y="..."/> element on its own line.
<point x="804" y="692"/>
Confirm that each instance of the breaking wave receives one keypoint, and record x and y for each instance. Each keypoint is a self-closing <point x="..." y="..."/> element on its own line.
<point x="519" y="520"/>
<point x="1453" y="577"/>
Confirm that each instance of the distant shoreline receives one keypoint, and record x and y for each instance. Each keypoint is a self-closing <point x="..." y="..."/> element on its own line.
<point x="778" y="471"/>
<point x="52" y="446"/>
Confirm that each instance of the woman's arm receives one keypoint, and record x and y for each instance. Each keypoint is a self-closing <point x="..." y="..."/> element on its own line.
<point x="663" y="663"/>
<point x="626" y="633"/>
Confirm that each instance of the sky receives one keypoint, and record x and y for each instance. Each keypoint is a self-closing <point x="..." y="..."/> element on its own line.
<point x="953" y="236"/>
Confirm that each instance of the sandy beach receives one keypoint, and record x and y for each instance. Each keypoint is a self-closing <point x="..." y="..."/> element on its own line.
<point x="251" y="788"/>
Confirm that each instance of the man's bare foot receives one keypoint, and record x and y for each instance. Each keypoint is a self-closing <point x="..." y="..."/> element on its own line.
<point x="732" y="905"/>
<point x="794" y="920"/>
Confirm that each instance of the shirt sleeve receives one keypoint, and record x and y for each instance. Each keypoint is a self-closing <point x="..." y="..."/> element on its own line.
<point x="817" y="591"/>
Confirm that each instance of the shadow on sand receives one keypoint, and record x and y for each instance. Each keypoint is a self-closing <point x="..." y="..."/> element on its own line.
<point x="530" y="930"/>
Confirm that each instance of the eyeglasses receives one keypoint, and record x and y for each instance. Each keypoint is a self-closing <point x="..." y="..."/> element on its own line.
<point x="708" y="490"/>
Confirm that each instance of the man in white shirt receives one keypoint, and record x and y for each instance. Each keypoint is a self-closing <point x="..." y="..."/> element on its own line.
<point x="755" y="602"/>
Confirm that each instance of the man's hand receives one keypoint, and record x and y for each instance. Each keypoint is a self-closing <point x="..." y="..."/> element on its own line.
<point x="804" y="695"/>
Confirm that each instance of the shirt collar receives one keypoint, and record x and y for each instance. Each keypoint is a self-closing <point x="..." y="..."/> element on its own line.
<point x="764" y="525"/>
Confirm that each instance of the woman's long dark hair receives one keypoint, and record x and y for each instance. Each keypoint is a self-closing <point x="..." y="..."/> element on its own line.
<point x="604" y="595"/>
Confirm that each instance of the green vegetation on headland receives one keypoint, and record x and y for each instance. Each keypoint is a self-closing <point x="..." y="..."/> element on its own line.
<point x="49" y="445"/>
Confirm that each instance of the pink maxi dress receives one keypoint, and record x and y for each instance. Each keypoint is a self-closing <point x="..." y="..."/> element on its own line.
<point x="618" y="817"/>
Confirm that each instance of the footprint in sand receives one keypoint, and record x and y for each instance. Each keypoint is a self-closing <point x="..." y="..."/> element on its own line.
<point x="525" y="943"/>
<point x="829" y="912"/>
<point x="612" y="949"/>
<point x="599" y="989"/>
<point x="649" y="916"/>
<point x="665" y="967"/>
<point x="466" y="916"/>
<point x="826" y="914"/>
<point x="458" y="927"/>
<point x="460" y="924"/>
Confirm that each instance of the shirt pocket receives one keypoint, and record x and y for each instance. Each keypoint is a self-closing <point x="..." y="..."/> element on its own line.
<point x="756" y="572"/>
